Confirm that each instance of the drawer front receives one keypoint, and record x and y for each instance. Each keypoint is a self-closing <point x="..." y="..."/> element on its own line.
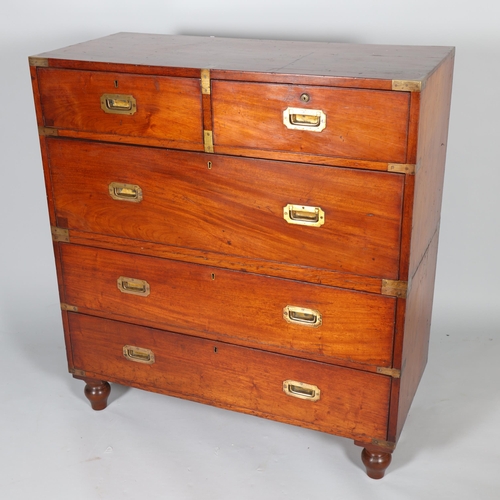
<point x="160" y="107"/>
<point x="351" y="403"/>
<point x="236" y="207"/>
<point x="361" y="124"/>
<point x="233" y="306"/>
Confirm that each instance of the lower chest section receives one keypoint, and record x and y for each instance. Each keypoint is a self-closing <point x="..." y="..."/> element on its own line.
<point x="302" y="392"/>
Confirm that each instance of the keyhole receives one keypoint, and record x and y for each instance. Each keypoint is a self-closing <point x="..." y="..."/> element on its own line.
<point x="209" y="165"/>
<point x="305" y="98"/>
<point x="116" y="84"/>
<point x="212" y="276"/>
<point x="215" y="350"/>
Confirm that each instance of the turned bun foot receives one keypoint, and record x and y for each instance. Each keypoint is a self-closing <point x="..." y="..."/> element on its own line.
<point x="376" y="462"/>
<point x="97" y="392"/>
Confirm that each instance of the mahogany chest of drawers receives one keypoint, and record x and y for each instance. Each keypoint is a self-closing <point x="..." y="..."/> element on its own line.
<point x="248" y="224"/>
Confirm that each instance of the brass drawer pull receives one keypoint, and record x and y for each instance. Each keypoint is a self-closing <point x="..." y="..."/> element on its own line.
<point x="133" y="286"/>
<point x="139" y="354"/>
<point x="304" y="216"/>
<point x="119" y="104"/>
<point x="125" y="192"/>
<point x="301" y="390"/>
<point x="312" y="120"/>
<point x="302" y="316"/>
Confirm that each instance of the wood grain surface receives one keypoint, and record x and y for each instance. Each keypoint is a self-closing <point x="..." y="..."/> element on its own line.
<point x="352" y="403"/>
<point x="167" y="108"/>
<point x="363" y="124"/>
<point x="235" y="207"/>
<point x="233" y="306"/>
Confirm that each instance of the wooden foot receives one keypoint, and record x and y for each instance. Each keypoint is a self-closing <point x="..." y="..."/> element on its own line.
<point x="376" y="462"/>
<point x="97" y="392"/>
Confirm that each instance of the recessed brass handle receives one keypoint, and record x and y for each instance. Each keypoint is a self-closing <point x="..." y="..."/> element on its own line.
<point x="301" y="390"/>
<point x="125" y="192"/>
<point x="119" y="104"/>
<point x="303" y="215"/>
<point x="139" y="354"/>
<point x="133" y="286"/>
<point x="302" y="316"/>
<point x="312" y="120"/>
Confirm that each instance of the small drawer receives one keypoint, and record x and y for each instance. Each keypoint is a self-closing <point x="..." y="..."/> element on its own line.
<point x="346" y="123"/>
<point x="322" y="217"/>
<point x="336" y="400"/>
<point x="258" y="311"/>
<point x="139" y="106"/>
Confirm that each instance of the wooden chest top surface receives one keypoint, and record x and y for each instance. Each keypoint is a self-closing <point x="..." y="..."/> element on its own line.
<point x="384" y="62"/>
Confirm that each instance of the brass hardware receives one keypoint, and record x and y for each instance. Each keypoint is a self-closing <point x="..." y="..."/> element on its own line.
<point x="139" y="354"/>
<point x="208" y="141"/>
<point x="302" y="316"/>
<point x="407" y="85"/>
<point x="59" y="234"/>
<point x="40" y="62"/>
<point x="118" y="103"/>
<point x="78" y="373"/>
<point x="47" y="131"/>
<point x="312" y="120"/>
<point x="209" y="165"/>
<point x="212" y="276"/>
<point x="116" y="84"/>
<point x="384" y="444"/>
<point x="68" y="307"/>
<point x="301" y="390"/>
<point x="404" y="168"/>
<point x="305" y="97"/>
<point x="125" y="192"/>
<point x="395" y="288"/>
<point x="303" y="215"/>
<point x="391" y="372"/>
<point x="205" y="81"/>
<point x="133" y="286"/>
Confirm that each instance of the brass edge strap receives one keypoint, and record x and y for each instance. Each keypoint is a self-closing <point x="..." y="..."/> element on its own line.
<point x="40" y="62"/>
<point x="208" y="141"/>
<point x="391" y="372"/>
<point x="394" y="288"/>
<point x="404" y="168"/>
<point x="59" y="234"/>
<point x="407" y="85"/>
<point x="205" y="81"/>
<point x="77" y="372"/>
<point x="68" y="307"/>
<point x="47" y="131"/>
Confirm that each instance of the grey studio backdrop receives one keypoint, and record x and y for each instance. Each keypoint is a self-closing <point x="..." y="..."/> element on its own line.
<point x="52" y="446"/>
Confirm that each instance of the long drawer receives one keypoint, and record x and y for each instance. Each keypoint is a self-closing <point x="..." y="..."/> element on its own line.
<point x="165" y="108"/>
<point x="324" y="217"/>
<point x="347" y="123"/>
<point x="337" y="400"/>
<point x="271" y="313"/>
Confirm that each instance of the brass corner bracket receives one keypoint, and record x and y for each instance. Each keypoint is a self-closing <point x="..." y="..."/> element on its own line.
<point x="403" y="168"/>
<point x="68" y="307"/>
<point x="394" y="288"/>
<point x="60" y="234"/>
<point x="391" y="372"/>
<point x="47" y="131"/>
<point x="40" y="62"/>
<point x="384" y="444"/>
<point x="407" y="85"/>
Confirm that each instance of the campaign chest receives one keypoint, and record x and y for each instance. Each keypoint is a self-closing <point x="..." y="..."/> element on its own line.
<point x="248" y="224"/>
